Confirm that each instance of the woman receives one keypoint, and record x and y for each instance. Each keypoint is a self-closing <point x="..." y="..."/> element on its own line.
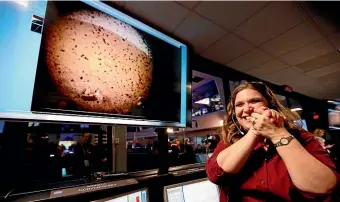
<point x="263" y="156"/>
<point x="319" y="133"/>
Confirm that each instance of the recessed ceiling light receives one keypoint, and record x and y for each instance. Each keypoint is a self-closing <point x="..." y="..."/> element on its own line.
<point x="296" y="109"/>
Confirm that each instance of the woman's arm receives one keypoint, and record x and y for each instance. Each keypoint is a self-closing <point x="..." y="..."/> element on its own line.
<point x="233" y="158"/>
<point x="307" y="173"/>
<point x="218" y="171"/>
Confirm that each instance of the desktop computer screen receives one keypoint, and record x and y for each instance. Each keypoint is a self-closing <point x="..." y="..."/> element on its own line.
<point x="135" y="196"/>
<point x="193" y="191"/>
<point x="86" y="62"/>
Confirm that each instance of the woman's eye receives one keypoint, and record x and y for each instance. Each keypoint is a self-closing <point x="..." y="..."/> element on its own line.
<point x="239" y="105"/>
<point x="255" y="101"/>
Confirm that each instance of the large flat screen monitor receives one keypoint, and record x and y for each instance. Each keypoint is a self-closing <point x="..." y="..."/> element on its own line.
<point x="85" y="61"/>
<point x="334" y="115"/>
<point x="135" y="196"/>
<point x="192" y="191"/>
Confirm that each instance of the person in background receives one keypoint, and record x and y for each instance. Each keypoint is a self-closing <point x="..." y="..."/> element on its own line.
<point x="319" y="133"/>
<point x="149" y="147"/>
<point x="84" y="155"/>
<point x="216" y="139"/>
<point x="187" y="145"/>
<point x="188" y="157"/>
<point x="199" y="149"/>
<point x="179" y="145"/>
<point x="174" y="156"/>
<point x="186" y="141"/>
<point x="263" y="156"/>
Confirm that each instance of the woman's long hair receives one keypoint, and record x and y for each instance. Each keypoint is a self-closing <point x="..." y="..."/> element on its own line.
<point x="230" y="132"/>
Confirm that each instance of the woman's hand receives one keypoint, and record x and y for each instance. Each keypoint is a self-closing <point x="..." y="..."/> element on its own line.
<point x="269" y="124"/>
<point x="328" y="146"/>
<point x="274" y="116"/>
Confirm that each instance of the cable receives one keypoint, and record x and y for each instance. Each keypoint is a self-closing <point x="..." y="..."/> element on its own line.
<point x="8" y="193"/>
<point x="232" y="118"/>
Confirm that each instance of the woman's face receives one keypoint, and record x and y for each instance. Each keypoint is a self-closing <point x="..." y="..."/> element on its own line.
<point x="248" y="101"/>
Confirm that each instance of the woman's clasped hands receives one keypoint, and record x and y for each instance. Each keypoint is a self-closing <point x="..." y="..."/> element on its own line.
<point x="268" y="123"/>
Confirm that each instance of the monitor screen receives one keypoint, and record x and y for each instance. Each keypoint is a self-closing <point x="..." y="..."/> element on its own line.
<point x="136" y="196"/>
<point x="206" y="99"/>
<point x="2" y="125"/>
<point x="334" y="115"/>
<point x="302" y="123"/>
<point x="69" y="61"/>
<point x="193" y="191"/>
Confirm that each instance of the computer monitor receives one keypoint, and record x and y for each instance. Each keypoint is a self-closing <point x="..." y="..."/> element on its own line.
<point x="201" y="190"/>
<point x="302" y="123"/>
<point x="135" y="196"/>
<point x="334" y="115"/>
<point x="206" y="99"/>
<point x="86" y="62"/>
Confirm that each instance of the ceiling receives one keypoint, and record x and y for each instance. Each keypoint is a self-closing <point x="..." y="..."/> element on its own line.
<point x="280" y="42"/>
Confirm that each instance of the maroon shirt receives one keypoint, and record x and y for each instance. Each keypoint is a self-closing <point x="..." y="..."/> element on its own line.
<point x="265" y="177"/>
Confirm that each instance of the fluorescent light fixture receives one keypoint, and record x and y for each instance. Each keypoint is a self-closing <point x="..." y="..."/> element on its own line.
<point x="334" y="128"/>
<point x="332" y="110"/>
<point x="296" y="109"/>
<point x="169" y="130"/>
<point x="22" y="2"/>
<point x="205" y="101"/>
<point x="333" y="102"/>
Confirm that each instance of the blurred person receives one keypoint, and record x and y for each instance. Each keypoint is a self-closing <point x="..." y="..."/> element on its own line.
<point x="319" y="134"/>
<point x="155" y="148"/>
<point x="188" y="157"/>
<point x="216" y="139"/>
<point x="179" y="145"/>
<point x="187" y="145"/>
<point x="149" y="147"/>
<point x="199" y="149"/>
<point x="186" y="141"/>
<point x="83" y="154"/>
<point x="174" y="156"/>
<point x="207" y="145"/>
<point x="263" y="156"/>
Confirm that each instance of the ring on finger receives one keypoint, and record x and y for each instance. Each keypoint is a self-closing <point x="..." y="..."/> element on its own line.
<point x="254" y="122"/>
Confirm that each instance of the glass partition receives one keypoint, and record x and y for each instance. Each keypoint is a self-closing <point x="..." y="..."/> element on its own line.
<point x="196" y="144"/>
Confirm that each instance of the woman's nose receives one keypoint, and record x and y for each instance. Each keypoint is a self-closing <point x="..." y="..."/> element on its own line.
<point x="248" y="109"/>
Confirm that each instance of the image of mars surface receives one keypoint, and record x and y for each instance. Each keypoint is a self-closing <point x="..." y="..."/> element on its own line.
<point x="100" y="63"/>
